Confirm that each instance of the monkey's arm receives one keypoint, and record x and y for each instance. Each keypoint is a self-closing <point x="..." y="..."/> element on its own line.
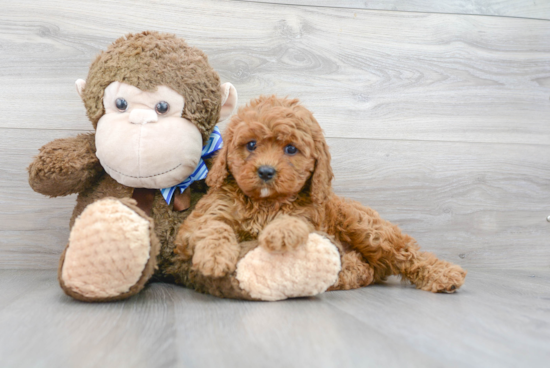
<point x="65" y="166"/>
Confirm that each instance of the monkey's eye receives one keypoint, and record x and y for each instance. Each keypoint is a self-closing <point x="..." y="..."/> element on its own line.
<point x="251" y="146"/>
<point x="162" y="107"/>
<point x="291" y="150"/>
<point x="121" y="104"/>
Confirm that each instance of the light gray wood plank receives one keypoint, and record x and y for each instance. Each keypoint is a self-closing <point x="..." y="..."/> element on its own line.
<point x="47" y="329"/>
<point x="33" y="228"/>
<point x="296" y="333"/>
<point x="510" y="8"/>
<point x="499" y="318"/>
<point x="478" y="205"/>
<point x="20" y="204"/>
<point x="370" y="74"/>
<point x="39" y="249"/>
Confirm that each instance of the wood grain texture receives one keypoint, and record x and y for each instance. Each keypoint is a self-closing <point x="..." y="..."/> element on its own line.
<point x="369" y="74"/>
<point x="498" y="319"/>
<point x="478" y="205"/>
<point x="510" y="8"/>
<point x="440" y="122"/>
<point x="33" y="228"/>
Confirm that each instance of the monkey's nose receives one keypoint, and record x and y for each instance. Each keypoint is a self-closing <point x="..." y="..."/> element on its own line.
<point x="266" y="173"/>
<point x="143" y="116"/>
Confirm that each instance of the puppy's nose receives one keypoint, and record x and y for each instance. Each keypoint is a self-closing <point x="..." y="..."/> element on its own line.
<point x="266" y="172"/>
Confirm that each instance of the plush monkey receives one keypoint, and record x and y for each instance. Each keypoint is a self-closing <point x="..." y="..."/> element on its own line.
<point x="154" y="102"/>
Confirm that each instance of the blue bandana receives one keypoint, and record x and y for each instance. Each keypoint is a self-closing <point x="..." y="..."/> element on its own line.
<point x="214" y="144"/>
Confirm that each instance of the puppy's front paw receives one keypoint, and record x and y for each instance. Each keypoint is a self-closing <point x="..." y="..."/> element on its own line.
<point x="284" y="234"/>
<point x="213" y="259"/>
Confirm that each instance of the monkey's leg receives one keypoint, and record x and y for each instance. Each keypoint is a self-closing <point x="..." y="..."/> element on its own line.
<point x="287" y="232"/>
<point x="306" y="270"/>
<point x="111" y="252"/>
<point x="390" y="252"/>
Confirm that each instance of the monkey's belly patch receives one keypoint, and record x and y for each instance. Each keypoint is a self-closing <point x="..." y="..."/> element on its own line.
<point x="305" y="271"/>
<point x="109" y="247"/>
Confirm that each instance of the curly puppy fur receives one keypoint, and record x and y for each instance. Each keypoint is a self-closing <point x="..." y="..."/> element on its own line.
<point x="299" y="199"/>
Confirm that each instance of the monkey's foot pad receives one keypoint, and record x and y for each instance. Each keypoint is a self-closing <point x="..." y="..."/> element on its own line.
<point x="307" y="270"/>
<point x="111" y="252"/>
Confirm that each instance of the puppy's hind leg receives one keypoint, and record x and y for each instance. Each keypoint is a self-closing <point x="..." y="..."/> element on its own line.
<point x="425" y="270"/>
<point x="390" y="252"/>
<point x="356" y="272"/>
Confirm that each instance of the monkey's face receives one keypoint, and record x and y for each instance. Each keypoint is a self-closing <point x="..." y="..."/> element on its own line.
<point x="143" y="141"/>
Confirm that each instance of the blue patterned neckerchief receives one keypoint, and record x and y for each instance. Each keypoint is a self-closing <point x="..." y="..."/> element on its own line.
<point x="214" y="144"/>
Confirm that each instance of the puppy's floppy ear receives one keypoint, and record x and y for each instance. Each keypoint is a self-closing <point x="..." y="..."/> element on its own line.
<point x="322" y="174"/>
<point x="219" y="170"/>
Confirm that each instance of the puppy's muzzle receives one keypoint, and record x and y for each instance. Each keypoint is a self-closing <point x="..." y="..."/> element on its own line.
<point x="266" y="173"/>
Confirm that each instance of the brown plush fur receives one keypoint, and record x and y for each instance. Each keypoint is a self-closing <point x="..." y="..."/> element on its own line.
<point x="150" y="59"/>
<point x="70" y="165"/>
<point x="299" y="200"/>
<point x="52" y="172"/>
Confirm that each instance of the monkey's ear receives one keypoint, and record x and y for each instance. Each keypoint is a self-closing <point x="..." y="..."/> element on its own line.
<point x="229" y="101"/>
<point x="80" y="85"/>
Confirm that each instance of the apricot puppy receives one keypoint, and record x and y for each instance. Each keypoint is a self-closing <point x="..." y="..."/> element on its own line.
<point x="272" y="182"/>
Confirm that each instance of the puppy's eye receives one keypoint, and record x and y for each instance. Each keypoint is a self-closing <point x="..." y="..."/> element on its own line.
<point x="121" y="104"/>
<point x="251" y="146"/>
<point x="162" y="107"/>
<point x="291" y="150"/>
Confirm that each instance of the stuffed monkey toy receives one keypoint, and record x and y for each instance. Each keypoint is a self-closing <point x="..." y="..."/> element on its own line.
<point x="154" y="102"/>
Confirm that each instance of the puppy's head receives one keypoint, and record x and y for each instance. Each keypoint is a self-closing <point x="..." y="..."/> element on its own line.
<point x="275" y="149"/>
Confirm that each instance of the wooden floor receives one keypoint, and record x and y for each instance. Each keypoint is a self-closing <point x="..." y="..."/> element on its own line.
<point x="437" y="114"/>
<point x="499" y="319"/>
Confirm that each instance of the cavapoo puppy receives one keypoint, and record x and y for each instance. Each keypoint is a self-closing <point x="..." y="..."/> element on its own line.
<point x="272" y="182"/>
